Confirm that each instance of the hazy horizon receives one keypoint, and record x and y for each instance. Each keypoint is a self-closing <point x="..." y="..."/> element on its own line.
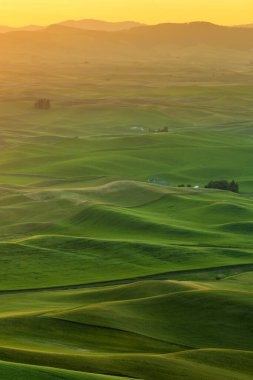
<point x="31" y="24"/>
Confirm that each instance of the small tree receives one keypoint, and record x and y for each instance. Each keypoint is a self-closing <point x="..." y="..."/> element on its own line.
<point x="42" y="104"/>
<point x="234" y="187"/>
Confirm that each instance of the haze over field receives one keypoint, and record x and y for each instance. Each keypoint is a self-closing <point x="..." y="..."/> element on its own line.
<point x="88" y="24"/>
<point x="187" y="45"/>
<point x="80" y="24"/>
<point x="122" y="253"/>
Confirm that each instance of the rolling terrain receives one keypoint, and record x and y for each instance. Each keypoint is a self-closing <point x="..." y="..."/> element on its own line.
<point x="190" y="44"/>
<point x="104" y="274"/>
<point x="86" y="24"/>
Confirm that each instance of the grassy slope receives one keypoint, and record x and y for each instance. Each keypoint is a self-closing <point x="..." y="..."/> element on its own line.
<point x="75" y="207"/>
<point x="179" y="157"/>
<point x="9" y="371"/>
<point x="160" y="328"/>
<point x="136" y="228"/>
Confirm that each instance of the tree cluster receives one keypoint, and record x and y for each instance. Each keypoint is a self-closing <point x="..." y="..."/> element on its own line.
<point x="223" y="185"/>
<point x="183" y="185"/>
<point x="42" y="104"/>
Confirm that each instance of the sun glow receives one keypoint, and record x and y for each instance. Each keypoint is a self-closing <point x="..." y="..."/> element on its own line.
<point x="21" y="12"/>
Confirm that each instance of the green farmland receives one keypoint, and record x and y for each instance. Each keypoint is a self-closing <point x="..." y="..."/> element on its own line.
<point x="105" y="275"/>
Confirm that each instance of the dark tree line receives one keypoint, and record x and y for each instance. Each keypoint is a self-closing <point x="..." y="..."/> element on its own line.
<point x="223" y="185"/>
<point x="183" y="185"/>
<point x="42" y="104"/>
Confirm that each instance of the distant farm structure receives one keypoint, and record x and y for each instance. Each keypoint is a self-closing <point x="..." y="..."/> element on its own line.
<point x="158" y="181"/>
<point x="137" y="129"/>
<point x="161" y="130"/>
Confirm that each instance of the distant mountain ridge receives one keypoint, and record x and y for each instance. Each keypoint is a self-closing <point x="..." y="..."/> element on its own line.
<point x="245" y="26"/>
<point x="100" y="25"/>
<point x="31" y="28"/>
<point x="90" y="24"/>
<point x="87" y="24"/>
<point x="197" y="41"/>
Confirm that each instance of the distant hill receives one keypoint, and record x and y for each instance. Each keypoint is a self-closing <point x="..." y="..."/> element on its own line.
<point x="105" y="26"/>
<point x="198" y="40"/>
<point x="7" y="29"/>
<point x="195" y="33"/>
<point x="245" y="26"/>
<point x="89" y="24"/>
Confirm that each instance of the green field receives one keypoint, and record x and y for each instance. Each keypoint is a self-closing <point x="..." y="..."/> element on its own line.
<point x="104" y="275"/>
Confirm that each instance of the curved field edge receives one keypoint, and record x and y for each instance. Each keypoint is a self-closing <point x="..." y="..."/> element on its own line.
<point x="10" y="371"/>
<point x="198" y="364"/>
<point x="210" y="273"/>
<point x="117" y="231"/>
<point x="81" y="261"/>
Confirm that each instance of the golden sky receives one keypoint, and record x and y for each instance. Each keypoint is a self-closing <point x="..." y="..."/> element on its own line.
<point x="21" y="12"/>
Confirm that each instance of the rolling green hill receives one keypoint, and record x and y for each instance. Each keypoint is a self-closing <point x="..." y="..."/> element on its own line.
<point x="140" y="286"/>
<point x="103" y="273"/>
<point x="165" y="328"/>
<point x="120" y="230"/>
